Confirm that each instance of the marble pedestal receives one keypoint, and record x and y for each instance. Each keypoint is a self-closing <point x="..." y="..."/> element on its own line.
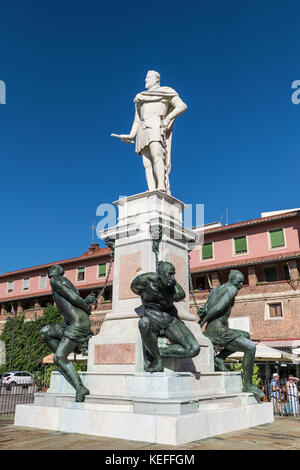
<point x="186" y="402"/>
<point x="165" y="408"/>
<point x="118" y="346"/>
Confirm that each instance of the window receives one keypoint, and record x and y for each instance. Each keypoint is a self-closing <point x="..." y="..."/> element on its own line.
<point x="26" y="283"/>
<point x="43" y="281"/>
<point x="286" y="272"/>
<point x="277" y="238"/>
<point x="107" y="295"/>
<point x="102" y="270"/>
<point x="200" y="283"/>
<point x="10" y="287"/>
<point x="207" y="250"/>
<point x="240" y="245"/>
<point x="271" y="274"/>
<point x="80" y="274"/>
<point x="275" y="310"/>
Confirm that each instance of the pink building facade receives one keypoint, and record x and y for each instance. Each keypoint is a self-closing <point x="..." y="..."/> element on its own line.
<point x="29" y="289"/>
<point x="266" y="250"/>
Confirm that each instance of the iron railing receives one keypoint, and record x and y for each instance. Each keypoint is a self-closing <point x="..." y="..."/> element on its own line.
<point x="15" y="394"/>
<point x="286" y="400"/>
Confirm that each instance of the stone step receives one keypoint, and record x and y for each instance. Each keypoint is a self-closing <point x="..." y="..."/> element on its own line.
<point x="92" y="419"/>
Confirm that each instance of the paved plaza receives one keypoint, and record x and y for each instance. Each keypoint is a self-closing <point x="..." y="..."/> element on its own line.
<point x="283" y="434"/>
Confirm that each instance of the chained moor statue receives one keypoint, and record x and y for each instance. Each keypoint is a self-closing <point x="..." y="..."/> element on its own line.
<point x="158" y="293"/>
<point x="74" y="333"/>
<point x="155" y="111"/>
<point x="215" y="314"/>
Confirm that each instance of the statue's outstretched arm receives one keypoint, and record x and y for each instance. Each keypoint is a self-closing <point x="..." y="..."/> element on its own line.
<point x="128" y="138"/>
<point x="135" y="124"/>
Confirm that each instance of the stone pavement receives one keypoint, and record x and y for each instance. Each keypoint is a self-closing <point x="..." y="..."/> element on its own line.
<point x="283" y="434"/>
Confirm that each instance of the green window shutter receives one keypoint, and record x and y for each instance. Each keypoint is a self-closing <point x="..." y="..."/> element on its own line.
<point x="271" y="274"/>
<point x="101" y="269"/>
<point x="277" y="238"/>
<point x="240" y="244"/>
<point x="207" y="250"/>
<point x="81" y="274"/>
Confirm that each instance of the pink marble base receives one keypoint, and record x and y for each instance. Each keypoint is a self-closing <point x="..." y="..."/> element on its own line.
<point x="130" y="266"/>
<point x="180" y="266"/>
<point x="123" y="353"/>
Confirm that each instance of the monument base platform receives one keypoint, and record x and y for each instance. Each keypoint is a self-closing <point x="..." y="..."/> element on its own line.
<point x="163" y="408"/>
<point x="122" y="422"/>
<point x="151" y="385"/>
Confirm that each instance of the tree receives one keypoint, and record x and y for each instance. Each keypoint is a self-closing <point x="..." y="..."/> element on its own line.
<point x="28" y="348"/>
<point x="237" y="367"/>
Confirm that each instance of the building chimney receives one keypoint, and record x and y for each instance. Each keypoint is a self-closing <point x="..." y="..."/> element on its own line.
<point x="93" y="248"/>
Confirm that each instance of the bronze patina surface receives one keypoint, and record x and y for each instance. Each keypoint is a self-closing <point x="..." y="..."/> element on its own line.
<point x="74" y="333"/>
<point x="215" y="314"/>
<point x="158" y="291"/>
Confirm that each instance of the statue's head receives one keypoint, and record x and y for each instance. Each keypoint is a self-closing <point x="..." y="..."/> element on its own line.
<point x="236" y="278"/>
<point x="166" y="273"/>
<point x="152" y="79"/>
<point x="56" y="270"/>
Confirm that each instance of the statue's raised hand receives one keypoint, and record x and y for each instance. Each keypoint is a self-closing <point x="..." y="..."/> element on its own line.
<point x="127" y="138"/>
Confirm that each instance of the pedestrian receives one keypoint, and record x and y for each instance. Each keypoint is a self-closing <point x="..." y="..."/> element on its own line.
<point x="275" y="394"/>
<point x="292" y="395"/>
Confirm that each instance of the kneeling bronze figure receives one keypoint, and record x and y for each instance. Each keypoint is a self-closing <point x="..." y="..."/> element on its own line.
<point x="215" y="313"/>
<point x="158" y="291"/>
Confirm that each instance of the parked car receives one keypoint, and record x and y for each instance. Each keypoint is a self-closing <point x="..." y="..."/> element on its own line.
<point x="12" y="378"/>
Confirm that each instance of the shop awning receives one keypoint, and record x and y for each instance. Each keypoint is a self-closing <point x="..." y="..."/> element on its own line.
<point x="265" y="353"/>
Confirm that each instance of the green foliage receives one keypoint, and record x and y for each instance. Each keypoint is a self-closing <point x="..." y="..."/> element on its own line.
<point x="49" y="369"/>
<point x="28" y="348"/>
<point x="237" y="367"/>
<point x="80" y="366"/>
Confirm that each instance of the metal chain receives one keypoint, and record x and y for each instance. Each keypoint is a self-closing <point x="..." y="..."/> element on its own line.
<point x="111" y="244"/>
<point x="292" y="283"/>
<point x="156" y="233"/>
<point x="201" y="312"/>
<point x="191" y="284"/>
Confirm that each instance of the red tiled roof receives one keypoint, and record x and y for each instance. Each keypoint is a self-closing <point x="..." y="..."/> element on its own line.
<point x="95" y="254"/>
<point x="247" y="223"/>
<point x="245" y="262"/>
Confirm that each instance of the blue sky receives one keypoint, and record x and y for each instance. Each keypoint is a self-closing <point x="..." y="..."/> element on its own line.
<point x="72" y="69"/>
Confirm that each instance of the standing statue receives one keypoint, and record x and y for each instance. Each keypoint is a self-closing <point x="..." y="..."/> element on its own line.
<point x="155" y="111"/>
<point x="215" y="313"/>
<point x="72" y="335"/>
<point x="158" y="293"/>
